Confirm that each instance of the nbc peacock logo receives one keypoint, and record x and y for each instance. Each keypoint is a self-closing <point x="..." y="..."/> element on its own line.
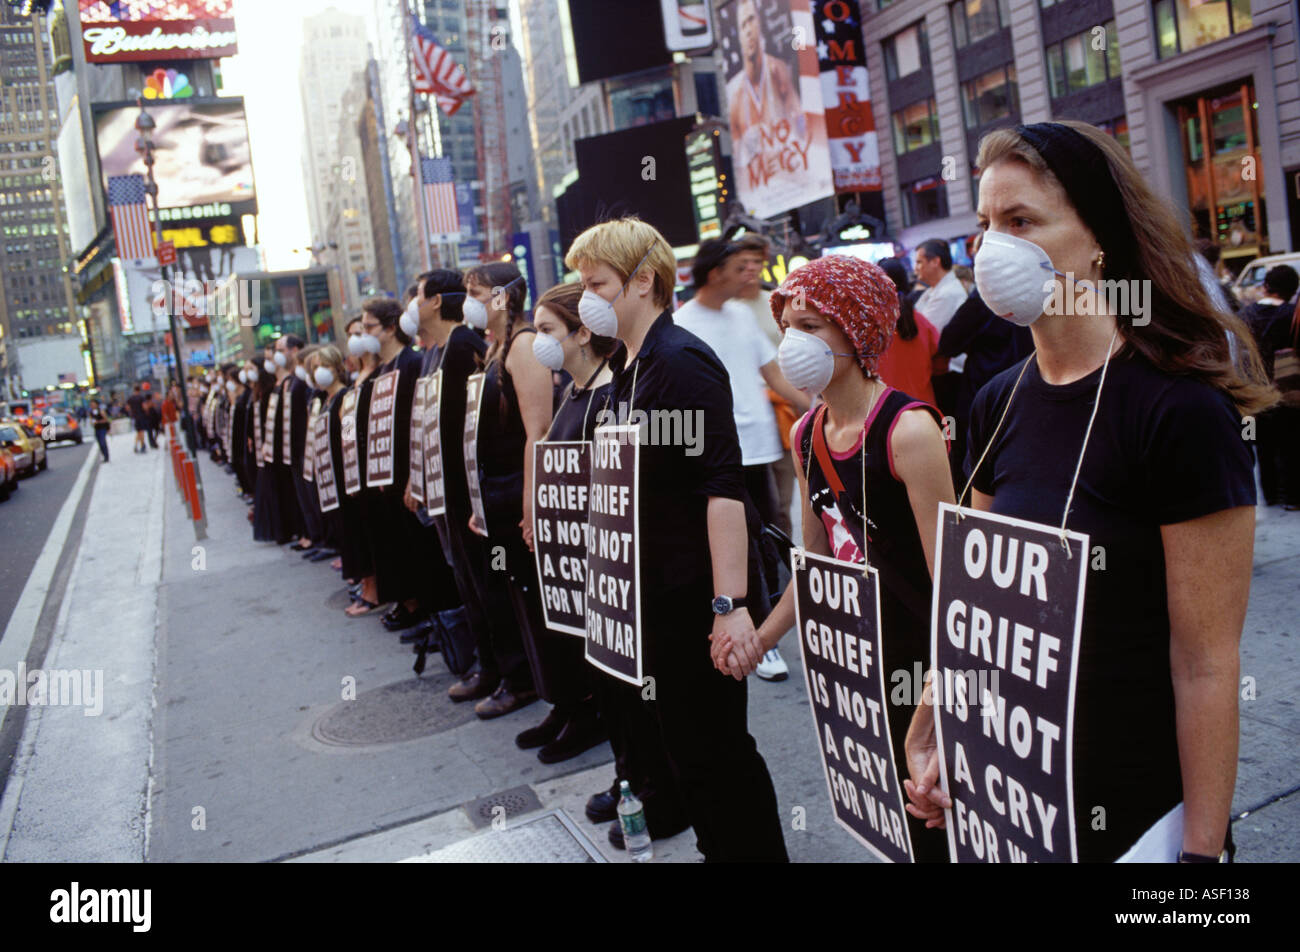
<point x="167" y="84"/>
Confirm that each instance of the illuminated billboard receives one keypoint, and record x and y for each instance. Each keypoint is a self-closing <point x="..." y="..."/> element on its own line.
<point x="128" y="30"/>
<point x="203" y="161"/>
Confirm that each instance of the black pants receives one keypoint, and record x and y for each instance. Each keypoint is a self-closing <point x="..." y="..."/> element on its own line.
<point x="702" y="717"/>
<point x="286" y="489"/>
<point x="504" y="550"/>
<point x="309" y="504"/>
<point x="639" y="755"/>
<point x="1276" y="434"/>
<point x="102" y="437"/>
<point x="463" y="550"/>
<point x="356" y="543"/>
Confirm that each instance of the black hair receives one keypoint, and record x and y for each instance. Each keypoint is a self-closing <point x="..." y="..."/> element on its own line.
<point x="389" y="314"/>
<point x="1282" y="281"/>
<point x="712" y="254"/>
<point x="1209" y="249"/>
<point x="294" y="341"/>
<point x="451" y="286"/>
<point x="937" y="248"/>
<point x="412" y="290"/>
<point x="897" y="272"/>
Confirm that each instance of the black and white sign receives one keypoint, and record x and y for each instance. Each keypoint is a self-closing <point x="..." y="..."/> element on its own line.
<point x="326" y="487"/>
<point x="613" y="600"/>
<point x="415" y="476"/>
<point x="435" y="487"/>
<point x="837" y="616"/>
<point x="309" y="452"/>
<point x="286" y="423"/>
<point x="1008" y="605"/>
<point x="348" y="435"/>
<point x="473" y="398"/>
<point x="561" y="479"/>
<point x="268" y="431"/>
<point x="379" y="431"/>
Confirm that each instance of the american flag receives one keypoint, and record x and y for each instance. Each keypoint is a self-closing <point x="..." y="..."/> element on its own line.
<point x="436" y="72"/>
<point x="439" y="199"/>
<point x="130" y="217"/>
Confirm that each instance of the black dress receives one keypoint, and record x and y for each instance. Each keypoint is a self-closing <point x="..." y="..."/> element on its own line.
<point x="267" y="520"/>
<point x="357" y="563"/>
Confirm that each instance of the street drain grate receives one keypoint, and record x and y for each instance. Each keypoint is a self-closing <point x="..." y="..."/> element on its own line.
<point x="406" y="710"/>
<point x="552" y="837"/>
<point x="516" y="801"/>
<point x="340" y="599"/>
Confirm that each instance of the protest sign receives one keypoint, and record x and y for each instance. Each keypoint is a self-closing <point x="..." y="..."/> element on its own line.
<point x="613" y="598"/>
<point x="837" y="617"/>
<point x="473" y="399"/>
<point x="379" y="435"/>
<point x="1006" y="615"/>
<point x="348" y="436"/>
<point x="319" y="446"/>
<point x="561" y="478"/>
<point x="435" y="490"/>
<point x="415" y="476"/>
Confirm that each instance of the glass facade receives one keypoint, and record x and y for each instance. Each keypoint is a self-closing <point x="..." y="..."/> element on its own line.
<point x="1183" y="25"/>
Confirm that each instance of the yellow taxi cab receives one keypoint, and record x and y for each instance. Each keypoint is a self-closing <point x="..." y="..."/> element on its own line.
<point x="8" y="474"/>
<point x="27" y="448"/>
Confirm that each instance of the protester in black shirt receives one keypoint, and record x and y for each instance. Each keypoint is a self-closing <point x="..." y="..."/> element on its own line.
<point x="354" y="417"/>
<point x="265" y="513"/>
<point x="325" y="367"/>
<point x="692" y="535"/>
<point x="1150" y="399"/>
<point x="1271" y="320"/>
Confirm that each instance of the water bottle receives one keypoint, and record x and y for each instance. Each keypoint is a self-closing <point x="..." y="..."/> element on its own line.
<point x="631" y="817"/>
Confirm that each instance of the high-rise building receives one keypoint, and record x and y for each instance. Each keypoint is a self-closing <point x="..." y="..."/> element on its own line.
<point x="1205" y="97"/>
<point x="35" y="295"/>
<point x="334" y="51"/>
<point x="346" y="200"/>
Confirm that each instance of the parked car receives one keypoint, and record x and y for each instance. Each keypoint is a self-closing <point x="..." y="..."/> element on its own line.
<point x="1249" y="285"/>
<point x="60" y="426"/>
<point x="28" y="451"/>
<point x="8" y="474"/>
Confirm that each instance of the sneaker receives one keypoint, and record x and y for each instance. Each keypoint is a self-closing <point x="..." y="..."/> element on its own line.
<point x="772" y="667"/>
<point x="503" y="701"/>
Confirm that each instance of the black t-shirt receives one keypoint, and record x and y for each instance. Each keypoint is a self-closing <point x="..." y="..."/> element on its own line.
<point x="577" y="413"/>
<point x="135" y="404"/>
<point x="1163" y="450"/>
<point x="457" y="359"/>
<point x="1271" y="325"/>
<point x="679" y="383"/>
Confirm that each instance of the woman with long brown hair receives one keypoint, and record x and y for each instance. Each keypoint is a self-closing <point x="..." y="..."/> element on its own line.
<point x="1125" y="423"/>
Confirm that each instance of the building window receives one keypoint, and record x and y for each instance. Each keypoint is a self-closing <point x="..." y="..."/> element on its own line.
<point x="924" y="200"/>
<point x="975" y="20"/>
<point x="903" y="51"/>
<point x="1183" y="25"/>
<point x="990" y="97"/>
<point x="916" y="126"/>
<point x="1083" y="60"/>
<point x="1117" y="128"/>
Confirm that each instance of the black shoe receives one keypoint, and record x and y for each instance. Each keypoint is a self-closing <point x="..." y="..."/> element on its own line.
<point x="579" y="735"/>
<point x="603" y="807"/>
<point x="420" y="632"/>
<point x="400" y="618"/>
<point x="308" y="553"/>
<point x="544" y="733"/>
<point x="322" y="554"/>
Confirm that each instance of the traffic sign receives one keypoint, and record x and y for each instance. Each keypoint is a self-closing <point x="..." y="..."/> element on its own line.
<point x="166" y="253"/>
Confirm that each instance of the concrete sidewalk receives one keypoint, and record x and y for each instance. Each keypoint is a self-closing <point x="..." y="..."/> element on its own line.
<point x="226" y="733"/>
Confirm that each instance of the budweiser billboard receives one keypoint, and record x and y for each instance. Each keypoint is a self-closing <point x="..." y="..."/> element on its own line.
<point x="128" y="30"/>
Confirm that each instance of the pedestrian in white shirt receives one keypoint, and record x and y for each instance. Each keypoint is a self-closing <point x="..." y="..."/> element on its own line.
<point x="943" y="295"/>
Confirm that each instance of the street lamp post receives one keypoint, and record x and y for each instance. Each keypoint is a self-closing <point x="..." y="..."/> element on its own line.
<point x="144" y="124"/>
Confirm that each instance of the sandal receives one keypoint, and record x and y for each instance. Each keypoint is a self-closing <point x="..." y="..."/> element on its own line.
<point x="367" y="605"/>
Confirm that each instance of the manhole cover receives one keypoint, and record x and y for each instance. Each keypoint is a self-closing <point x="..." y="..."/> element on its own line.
<point x="515" y="801"/>
<point x="407" y="710"/>
<point x="550" y="838"/>
<point x="340" y="599"/>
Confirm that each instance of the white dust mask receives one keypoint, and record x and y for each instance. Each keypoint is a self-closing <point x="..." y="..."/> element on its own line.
<point x="371" y="344"/>
<point x="597" y="313"/>
<point x="410" y="319"/>
<point x="355" y="347"/>
<point x="301" y="374"/>
<point x="324" y="377"/>
<point x="1014" y="277"/>
<point x="280" y="359"/>
<point x="230" y="386"/>
<point x="268" y="366"/>
<point x="475" y="313"/>
<point x="806" y="360"/>
<point x="549" y="351"/>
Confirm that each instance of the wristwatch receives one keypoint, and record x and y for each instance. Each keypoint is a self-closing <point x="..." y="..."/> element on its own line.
<point x="1186" y="857"/>
<point x="725" y="604"/>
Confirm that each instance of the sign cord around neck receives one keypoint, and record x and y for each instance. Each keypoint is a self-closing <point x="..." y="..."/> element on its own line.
<point x="997" y="429"/>
<point x="591" y="393"/>
<point x="866" y="423"/>
<point x="1096" y="403"/>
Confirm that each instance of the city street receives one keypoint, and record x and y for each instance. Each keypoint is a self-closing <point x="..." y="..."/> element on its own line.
<point x="248" y="751"/>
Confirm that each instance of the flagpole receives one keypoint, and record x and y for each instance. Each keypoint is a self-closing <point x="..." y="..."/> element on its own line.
<point x="413" y="143"/>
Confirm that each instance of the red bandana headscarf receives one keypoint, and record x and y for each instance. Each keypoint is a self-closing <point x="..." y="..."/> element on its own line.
<point x="856" y="295"/>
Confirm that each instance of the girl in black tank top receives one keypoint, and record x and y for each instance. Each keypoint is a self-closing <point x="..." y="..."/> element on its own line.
<point x="872" y="468"/>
